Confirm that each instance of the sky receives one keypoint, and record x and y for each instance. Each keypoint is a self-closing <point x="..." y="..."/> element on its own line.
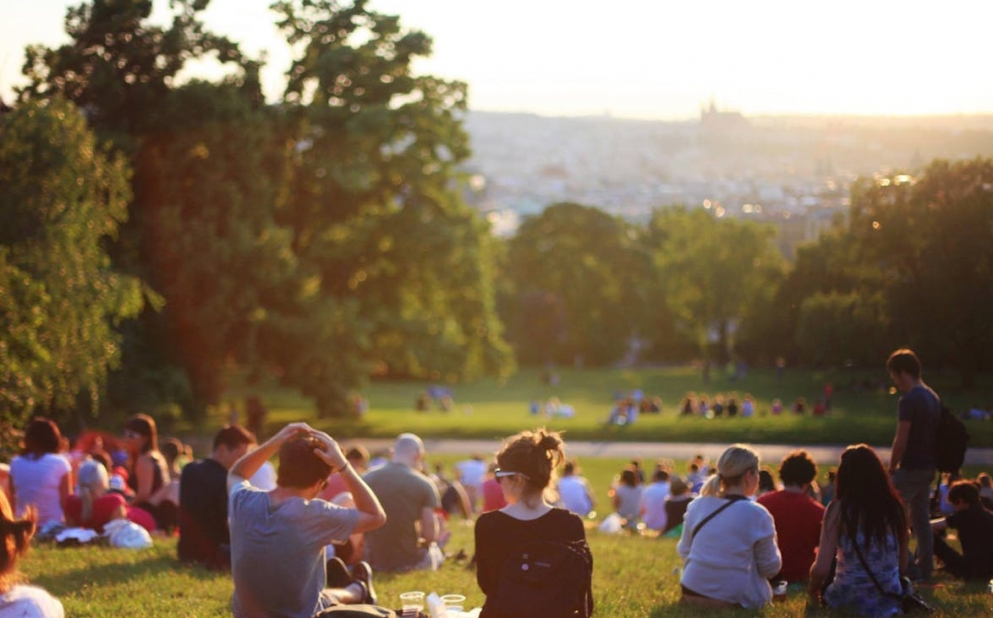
<point x="649" y="59"/>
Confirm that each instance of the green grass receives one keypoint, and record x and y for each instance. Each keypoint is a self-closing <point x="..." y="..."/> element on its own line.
<point x="634" y="577"/>
<point x="487" y="409"/>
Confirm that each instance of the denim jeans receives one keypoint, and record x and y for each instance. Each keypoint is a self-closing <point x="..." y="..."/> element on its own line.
<point x="914" y="487"/>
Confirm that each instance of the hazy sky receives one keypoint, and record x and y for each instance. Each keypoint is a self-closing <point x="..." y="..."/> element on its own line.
<point x="647" y="58"/>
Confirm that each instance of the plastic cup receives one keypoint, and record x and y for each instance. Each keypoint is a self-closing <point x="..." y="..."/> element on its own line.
<point x="412" y="603"/>
<point x="454" y="602"/>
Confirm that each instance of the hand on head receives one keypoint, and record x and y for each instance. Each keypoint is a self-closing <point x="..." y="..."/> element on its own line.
<point x="331" y="452"/>
<point x="293" y="429"/>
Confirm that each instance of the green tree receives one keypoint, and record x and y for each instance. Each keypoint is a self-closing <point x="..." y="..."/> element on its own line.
<point x="931" y="240"/>
<point x="60" y="299"/>
<point x="404" y="266"/>
<point x="118" y="66"/>
<point x="837" y="329"/>
<point x="577" y="275"/>
<point x="711" y="273"/>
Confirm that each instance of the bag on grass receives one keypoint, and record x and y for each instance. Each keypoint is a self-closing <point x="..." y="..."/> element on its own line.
<point x="127" y="534"/>
<point x="546" y="579"/>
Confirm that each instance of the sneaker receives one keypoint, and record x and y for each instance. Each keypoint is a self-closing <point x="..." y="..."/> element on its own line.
<point x="338" y="575"/>
<point x="362" y="573"/>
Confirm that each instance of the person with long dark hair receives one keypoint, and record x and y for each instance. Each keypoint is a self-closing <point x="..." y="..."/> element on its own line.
<point x="865" y="531"/>
<point x="148" y="471"/>
<point x="42" y="477"/>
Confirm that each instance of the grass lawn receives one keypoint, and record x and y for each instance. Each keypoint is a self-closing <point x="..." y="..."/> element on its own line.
<point x="634" y="577"/>
<point x="487" y="409"/>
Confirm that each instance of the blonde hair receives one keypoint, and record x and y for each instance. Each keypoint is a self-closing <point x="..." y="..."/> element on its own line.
<point x="93" y="481"/>
<point x="731" y="467"/>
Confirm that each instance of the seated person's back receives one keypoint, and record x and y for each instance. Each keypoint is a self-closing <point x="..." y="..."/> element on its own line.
<point x="526" y="518"/>
<point x="203" y="500"/>
<point x="410" y="500"/>
<point x="278" y="537"/>
<point x="797" y="516"/>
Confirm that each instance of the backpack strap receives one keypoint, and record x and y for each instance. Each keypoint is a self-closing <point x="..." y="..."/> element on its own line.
<point x="730" y="500"/>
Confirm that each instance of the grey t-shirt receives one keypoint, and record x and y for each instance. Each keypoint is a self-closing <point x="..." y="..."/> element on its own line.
<point x="404" y="493"/>
<point x="277" y="553"/>
<point x="922" y="407"/>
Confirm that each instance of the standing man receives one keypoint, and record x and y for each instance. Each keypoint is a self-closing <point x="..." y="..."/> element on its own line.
<point x="203" y="501"/>
<point x="912" y="460"/>
<point x="411" y="501"/>
<point x="278" y="537"/>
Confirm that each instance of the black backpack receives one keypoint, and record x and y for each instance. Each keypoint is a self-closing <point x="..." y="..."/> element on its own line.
<point x="951" y="441"/>
<point x="545" y="579"/>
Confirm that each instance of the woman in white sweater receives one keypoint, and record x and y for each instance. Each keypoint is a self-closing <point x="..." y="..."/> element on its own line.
<point x="728" y="545"/>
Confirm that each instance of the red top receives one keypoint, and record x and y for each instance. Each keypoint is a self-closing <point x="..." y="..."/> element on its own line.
<point x="103" y="508"/>
<point x="798" y="530"/>
<point x="493" y="499"/>
<point x="335" y="486"/>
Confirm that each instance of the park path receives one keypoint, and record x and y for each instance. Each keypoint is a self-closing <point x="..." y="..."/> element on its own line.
<point x="678" y="451"/>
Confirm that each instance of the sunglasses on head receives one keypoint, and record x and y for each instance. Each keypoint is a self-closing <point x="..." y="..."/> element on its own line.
<point x="499" y="473"/>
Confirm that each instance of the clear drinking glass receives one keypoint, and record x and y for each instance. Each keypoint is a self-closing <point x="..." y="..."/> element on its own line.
<point x="454" y="602"/>
<point x="412" y="603"/>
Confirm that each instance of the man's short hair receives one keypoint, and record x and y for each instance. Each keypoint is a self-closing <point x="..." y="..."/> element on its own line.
<point x="408" y="445"/>
<point x="233" y="436"/>
<point x="299" y="467"/>
<point x="904" y="361"/>
<point x="797" y="469"/>
<point x="964" y="491"/>
<point x="660" y="476"/>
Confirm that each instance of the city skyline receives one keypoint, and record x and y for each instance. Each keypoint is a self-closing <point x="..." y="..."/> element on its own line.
<point x="642" y="59"/>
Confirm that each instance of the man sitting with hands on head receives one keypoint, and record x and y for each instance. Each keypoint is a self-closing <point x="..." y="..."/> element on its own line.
<point x="278" y="537"/>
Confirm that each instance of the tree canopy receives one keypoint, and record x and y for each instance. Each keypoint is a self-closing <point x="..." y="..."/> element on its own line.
<point x="60" y="297"/>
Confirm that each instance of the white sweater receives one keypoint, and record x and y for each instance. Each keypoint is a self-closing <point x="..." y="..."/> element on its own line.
<point x="734" y="555"/>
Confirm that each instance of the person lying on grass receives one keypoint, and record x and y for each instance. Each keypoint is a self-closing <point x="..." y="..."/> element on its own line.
<point x="278" y="537"/>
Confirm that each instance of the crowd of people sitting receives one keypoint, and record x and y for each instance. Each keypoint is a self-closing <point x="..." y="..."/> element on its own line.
<point x="308" y="535"/>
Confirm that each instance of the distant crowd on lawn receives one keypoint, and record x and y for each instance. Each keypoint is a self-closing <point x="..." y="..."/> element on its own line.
<point x="307" y="535"/>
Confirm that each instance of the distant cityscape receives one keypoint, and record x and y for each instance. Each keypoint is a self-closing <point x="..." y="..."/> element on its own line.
<point x="794" y="172"/>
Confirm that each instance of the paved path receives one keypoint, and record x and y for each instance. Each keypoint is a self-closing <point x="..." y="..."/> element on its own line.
<point x="679" y="451"/>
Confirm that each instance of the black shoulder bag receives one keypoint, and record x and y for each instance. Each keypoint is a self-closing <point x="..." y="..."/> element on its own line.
<point x="910" y="602"/>
<point x="730" y="500"/>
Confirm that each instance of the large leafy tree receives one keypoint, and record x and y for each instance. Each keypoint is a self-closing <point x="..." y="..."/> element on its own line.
<point x="931" y="240"/>
<point x="118" y="67"/>
<point x="711" y="273"/>
<point x="63" y="197"/>
<point x="578" y="281"/>
<point x="374" y="201"/>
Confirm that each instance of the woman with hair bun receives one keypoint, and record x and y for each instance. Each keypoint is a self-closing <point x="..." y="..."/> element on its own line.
<point x="525" y="466"/>
<point x="729" y="556"/>
<point x="16" y="598"/>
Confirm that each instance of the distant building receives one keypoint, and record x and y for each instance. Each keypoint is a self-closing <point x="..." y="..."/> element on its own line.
<point x="713" y="119"/>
